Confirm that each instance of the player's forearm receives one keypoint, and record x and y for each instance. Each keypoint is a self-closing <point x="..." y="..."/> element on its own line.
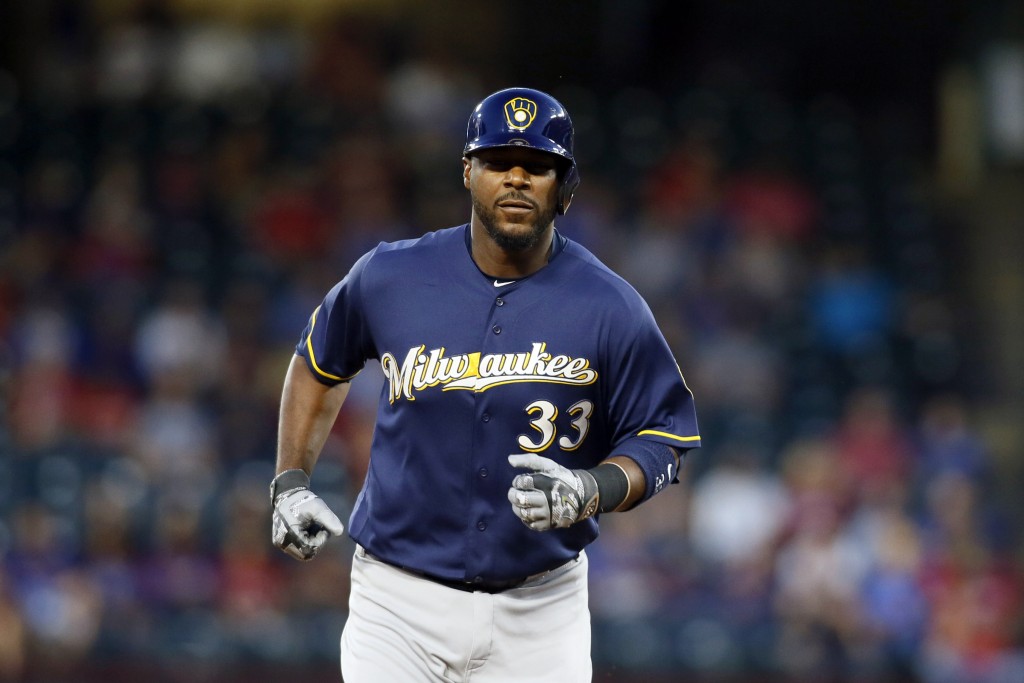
<point x="308" y="412"/>
<point x="635" y="482"/>
<point x="636" y="478"/>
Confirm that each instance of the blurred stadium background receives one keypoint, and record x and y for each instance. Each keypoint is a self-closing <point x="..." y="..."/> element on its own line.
<point x="823" y="202"/>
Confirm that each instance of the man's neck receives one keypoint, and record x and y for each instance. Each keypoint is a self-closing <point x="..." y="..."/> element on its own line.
<point x="501" y="263"/>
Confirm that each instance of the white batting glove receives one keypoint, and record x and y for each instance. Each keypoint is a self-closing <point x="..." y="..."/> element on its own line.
<point x="302" y="521"/>
<point x="551" y="496"/>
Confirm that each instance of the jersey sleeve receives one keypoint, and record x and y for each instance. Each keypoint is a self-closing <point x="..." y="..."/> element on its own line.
<point x="647" y="395"/>
<point x="650" y="406"/>
<point x="336" y="342"/>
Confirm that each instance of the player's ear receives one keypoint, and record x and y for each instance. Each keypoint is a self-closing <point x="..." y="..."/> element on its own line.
<point x="467" y="164"/>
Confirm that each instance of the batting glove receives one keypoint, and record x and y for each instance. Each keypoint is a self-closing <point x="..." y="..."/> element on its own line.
<point x="302" y="521"/>
<point x="551" y="495"/>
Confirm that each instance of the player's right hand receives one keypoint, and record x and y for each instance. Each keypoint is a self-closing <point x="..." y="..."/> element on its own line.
<point x="303" y="523"/>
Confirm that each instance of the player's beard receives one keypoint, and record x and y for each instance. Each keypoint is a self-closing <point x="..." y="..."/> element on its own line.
<point x="512" y="241"/>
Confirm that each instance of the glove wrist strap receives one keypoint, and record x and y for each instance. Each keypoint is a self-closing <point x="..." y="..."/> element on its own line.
<point x="590" y="495"/>
<point x="286" y="481"/>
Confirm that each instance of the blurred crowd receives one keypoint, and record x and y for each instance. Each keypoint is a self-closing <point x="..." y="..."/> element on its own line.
<point x="176" y="199"/>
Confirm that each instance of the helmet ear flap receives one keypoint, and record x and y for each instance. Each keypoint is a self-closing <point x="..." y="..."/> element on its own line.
<point x="567" y="187"/>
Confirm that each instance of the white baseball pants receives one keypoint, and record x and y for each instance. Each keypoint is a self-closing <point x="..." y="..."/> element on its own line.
<point x="405" y="628"/>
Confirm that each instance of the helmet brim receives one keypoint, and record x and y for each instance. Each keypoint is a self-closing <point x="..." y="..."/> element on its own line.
<point x="539" y="143"/>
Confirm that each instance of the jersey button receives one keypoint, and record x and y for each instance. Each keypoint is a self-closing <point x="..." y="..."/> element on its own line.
<point x="496" y="329"/>
<point x="486" y="417"/>
<point x="481" y="525"/>
<point x="499" y="301"/>
<point x="483" y="472"/>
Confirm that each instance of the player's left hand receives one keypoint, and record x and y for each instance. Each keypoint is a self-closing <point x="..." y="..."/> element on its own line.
<point x="551" y="495"/>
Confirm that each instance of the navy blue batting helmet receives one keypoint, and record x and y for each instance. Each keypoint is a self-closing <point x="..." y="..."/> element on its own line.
<point x="523" y="117"/>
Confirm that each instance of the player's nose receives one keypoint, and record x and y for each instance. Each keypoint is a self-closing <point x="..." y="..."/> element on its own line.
<point x="517" y="177"/>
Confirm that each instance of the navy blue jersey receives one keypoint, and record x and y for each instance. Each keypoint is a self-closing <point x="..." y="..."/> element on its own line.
<point x="566" y="363"/>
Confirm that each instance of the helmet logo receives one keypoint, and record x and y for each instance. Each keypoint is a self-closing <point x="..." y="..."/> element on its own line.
<point x="520" y="112"/>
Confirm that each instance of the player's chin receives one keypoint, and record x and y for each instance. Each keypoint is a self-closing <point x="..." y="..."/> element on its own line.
<point x="517" y="228"/>
<point x="516" y="221"/>
<point x="516" y="236"/>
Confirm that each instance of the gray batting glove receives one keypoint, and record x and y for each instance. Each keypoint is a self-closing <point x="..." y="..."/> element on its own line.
<point x="551" y="496"/>
<point x="302" y="521"/>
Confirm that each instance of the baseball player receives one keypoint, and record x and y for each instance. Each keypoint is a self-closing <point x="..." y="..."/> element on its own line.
<point x="527" y="391"/>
